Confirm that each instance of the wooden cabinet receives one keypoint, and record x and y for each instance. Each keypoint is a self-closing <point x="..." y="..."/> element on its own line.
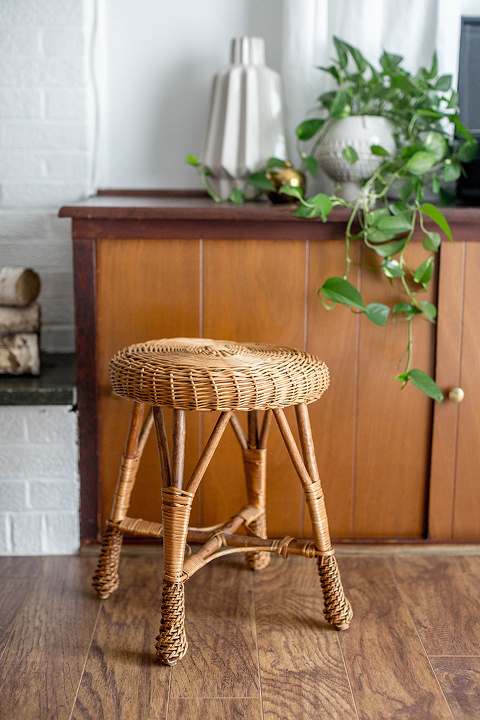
<point x="393" y="466"/>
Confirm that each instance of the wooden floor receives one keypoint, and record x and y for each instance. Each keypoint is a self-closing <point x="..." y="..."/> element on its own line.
<point x="259" y="647"/>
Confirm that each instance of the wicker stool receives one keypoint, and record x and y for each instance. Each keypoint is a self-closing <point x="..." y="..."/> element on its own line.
<point x="206" y="375"/>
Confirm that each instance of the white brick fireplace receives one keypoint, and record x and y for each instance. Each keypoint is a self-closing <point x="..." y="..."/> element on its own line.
<point x="39" y="487"/>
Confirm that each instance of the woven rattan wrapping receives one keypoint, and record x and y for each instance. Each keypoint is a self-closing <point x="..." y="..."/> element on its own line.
<point x="202" y="374"/>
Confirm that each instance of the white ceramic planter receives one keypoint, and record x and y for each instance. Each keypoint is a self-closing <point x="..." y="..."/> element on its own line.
<point x="246" y="124"/>
<point x="359" y="132"/>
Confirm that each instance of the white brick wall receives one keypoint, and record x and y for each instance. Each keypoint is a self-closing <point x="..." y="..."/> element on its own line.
<point x="45" y="139"/>
<point x="39" y="487"/>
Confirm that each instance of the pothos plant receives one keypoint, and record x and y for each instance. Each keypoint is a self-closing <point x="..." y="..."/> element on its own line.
<point x="431" y="145"/>
<point x="259" y="180"/>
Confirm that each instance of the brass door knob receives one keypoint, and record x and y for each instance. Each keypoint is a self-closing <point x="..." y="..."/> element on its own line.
<point x="456" y="395"/>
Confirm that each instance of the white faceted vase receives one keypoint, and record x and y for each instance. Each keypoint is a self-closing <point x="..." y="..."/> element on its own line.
<point x="246" y="124"/>
<point x="359" y="132"/>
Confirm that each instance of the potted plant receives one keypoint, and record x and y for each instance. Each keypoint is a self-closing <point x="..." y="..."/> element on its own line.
<point x="428" y="149"/>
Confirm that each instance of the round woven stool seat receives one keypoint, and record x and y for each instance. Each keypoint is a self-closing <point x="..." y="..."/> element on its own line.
<point x="202" y="374"/>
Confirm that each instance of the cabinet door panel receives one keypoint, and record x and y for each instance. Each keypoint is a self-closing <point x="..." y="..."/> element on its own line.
<point x="466" y="519"/>
<point x="393" y="425"/>
<point x="254" y="291"/>
<point x="147" y="289"/>
<point x="445" y="421"/>
<point x="333" y="336"/>
<point x="455" y="491"/>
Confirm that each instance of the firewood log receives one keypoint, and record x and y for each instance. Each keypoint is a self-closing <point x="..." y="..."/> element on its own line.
<point x="19" y="320"/>
<point x="18" y="286"/>
<point x="19" y="354"/>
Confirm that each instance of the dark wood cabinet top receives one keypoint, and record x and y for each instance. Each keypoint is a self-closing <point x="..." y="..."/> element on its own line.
<point x="187" y="205"/>
<point x="193" y="205"/>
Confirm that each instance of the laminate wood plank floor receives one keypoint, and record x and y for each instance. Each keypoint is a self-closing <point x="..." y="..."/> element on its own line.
<point x="442" y="602"/>
<point x="16" y="578"/>
<point x="259" y="646"/>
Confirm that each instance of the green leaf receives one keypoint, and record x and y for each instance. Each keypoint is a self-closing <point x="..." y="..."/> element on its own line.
<point x="308" y="128"/>
<point x="436" y="144"/>
<point x="340" y="106"/>
<point x="410" y="150"/>
<point x="274" y="163"/>
<point x="395" y="224"/>
<point x="434" y="68"/>
<point x="338" y="290"/>
<point x="377" y="313"/>
<point x="293" y="191"/>
<point x="406" y="308"/>
<point x="360" y="61"/>
<point x="443" y="83"/>
<point x="312" y="165"/>
<point x="435" y="184"/>
<point x="392" y="268"/>
<point x="460" y="129"/>
<point x="433" y="114"/>
<point x="390" y="62"/>
<point x="261" y="181"/>
<point x="307" y="212"/>
<point x="237" y="196"/>
<point x="322" y="203"/>
<point x="390" y="248"/>
<point x="341" y="48"/>
<point x="332" y="70"/>
<point x="431" y="241"/>
<point x="379" y="150"/>
<point x="437" y="217"/>
<point x="403" y="83"/>
<point x="468" y="151"/>
<point x="350" y="154"/>
<point x="452" y="170"/>
<point x="192" y="160"/>
<point x="375" y="215"/>
<point x="453" y="101"/>
<point x="327" y="98"/>
<point x="407" y="189"/>
<point x="424" y="382"/>
<point x="421" y="162"/>
<point x="429" y="310"/>
<point x="400" y="208"/>
<point x="377" y="236"/>
<point x="424" y="272"/>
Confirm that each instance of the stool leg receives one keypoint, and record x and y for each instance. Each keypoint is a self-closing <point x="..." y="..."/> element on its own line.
<point x="255" y="464"/>
<point x="171" y="642"/>
<point x="106" y="580"/>
<point x="337" y="609"/>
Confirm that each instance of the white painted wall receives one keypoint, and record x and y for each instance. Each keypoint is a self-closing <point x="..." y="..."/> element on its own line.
<point x="158" y="61"/>
<point x="470" y="7"/>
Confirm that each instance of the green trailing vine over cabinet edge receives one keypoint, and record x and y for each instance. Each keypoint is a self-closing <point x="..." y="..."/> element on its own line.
<point x="431" y="145"/>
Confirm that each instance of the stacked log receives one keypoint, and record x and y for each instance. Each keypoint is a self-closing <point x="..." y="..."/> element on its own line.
<point x="20" y="319"/>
